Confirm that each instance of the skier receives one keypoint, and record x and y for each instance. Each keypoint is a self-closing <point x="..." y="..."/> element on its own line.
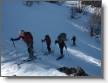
<point x="74" y="40"/>
<point x="28" y="39"/>
<point x="61" y="44"/>
<point x="47" y="39"/>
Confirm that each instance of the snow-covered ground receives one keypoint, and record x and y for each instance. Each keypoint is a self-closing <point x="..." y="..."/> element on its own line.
<point x="41" y="19"/>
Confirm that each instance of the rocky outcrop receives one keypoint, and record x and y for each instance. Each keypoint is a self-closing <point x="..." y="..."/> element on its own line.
<point x="78" y="71"/>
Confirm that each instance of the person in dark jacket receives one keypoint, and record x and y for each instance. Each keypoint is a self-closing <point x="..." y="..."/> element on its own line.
<point x="47" y="39"/>
<point x="28" y="39"/>
<point x="74" y="40"/>
<point x="61" y="44"/>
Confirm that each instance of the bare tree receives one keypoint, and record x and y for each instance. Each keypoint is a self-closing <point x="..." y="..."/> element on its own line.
<point x="95" y="22"/>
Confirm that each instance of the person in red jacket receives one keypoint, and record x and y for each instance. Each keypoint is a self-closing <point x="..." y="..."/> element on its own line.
<point x="28" y="39"/>
<point x="47" y="39"/>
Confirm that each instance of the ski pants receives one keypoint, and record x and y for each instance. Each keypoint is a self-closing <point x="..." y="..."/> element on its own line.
<point x="30" y="49"/>
<point x="74" y="43"/>
<point x="61" y="51"/>
<point x="49" y="48"/>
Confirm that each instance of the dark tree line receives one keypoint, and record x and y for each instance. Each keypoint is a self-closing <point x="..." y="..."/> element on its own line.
<point x="93" y="3"/>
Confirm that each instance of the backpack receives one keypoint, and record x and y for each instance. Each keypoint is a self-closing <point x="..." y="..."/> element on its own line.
<point x="28" y="37"/>
<point x="62" y="36"/>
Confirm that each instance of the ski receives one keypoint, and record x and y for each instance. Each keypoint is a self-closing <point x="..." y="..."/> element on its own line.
<point x="59" y="57"/>
<point x="24" y="61"/>
<point x="27" y="60"/>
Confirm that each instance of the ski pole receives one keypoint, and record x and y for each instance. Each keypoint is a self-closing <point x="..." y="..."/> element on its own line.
<point x="13" y="44"/>
<point x="14" y="47"/>
<point x="67" y="52"/>
<point x="16" y="54"/>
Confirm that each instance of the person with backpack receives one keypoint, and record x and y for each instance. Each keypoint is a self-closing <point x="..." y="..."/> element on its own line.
<point x="28" y="39"/>
<point x="74" y="40"/>
<point x="61" y="44"/>
<point x="47" y="39"/>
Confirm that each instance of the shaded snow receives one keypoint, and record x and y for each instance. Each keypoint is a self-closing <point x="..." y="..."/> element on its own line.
<point x="40" y="19"/>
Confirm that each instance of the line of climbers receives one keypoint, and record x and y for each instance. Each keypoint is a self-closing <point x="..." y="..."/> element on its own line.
<point x="28" y="39"/>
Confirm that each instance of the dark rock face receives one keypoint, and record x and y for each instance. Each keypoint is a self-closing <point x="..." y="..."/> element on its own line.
<point x="73" y="71"/>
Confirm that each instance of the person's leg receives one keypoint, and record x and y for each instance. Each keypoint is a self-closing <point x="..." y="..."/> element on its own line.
<point x="60" y="57"/>
<point x="49" y="49"/>
<point x="61" y="51"/>
<point x="30" y="50"/>
<point x="74" y="43"/>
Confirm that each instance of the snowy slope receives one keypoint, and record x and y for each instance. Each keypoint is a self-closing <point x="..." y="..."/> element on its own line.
<point x="40" y="19"/>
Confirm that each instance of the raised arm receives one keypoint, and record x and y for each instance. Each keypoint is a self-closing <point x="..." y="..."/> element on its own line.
<point x="15" y="39"/>
<point x="44" y="40"/>
<point x="56" y="41"/>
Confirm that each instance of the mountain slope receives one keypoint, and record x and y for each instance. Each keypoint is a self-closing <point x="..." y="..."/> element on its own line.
<point x="40" y="19"/>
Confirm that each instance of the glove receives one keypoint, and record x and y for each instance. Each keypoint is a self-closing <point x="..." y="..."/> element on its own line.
<point x="66" y="48"/>
<point x="42" y="41"/>
<point x="55" y="41"/>
<point x="12" y="39"/>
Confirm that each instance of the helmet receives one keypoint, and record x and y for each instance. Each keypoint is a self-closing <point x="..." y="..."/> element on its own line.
<point x="21" y="32"/>
<point x="47" y="36"/>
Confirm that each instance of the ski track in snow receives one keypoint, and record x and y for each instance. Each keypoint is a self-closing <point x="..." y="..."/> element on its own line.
<point x="80" y="27"/>
<point x="94" y="47"/>
<point x="84" y="57"/>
